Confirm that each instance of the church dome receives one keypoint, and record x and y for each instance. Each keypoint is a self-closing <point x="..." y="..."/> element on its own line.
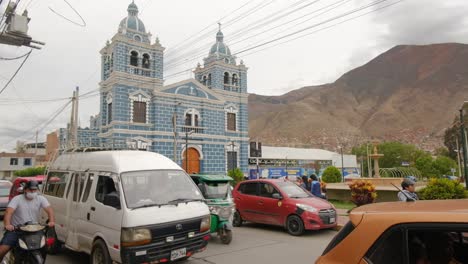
<point x="132" y="21"/>
<point x="219" y="47"/>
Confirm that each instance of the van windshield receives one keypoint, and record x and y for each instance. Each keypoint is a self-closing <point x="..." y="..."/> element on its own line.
<point x="157" y="187"/>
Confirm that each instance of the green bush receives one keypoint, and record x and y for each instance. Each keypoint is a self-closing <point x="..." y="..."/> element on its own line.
<point x="237" y="175"/>
<point x="30" y="172"/>
<point x="442" y="189"/>
<point x="331" y="175"/>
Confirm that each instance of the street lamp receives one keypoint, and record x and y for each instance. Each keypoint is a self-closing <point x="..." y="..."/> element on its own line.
<point x="187" y="133"/>
<point x="232" y="145"/>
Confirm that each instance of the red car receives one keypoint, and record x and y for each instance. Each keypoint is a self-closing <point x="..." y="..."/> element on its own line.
<point x="282" y="203"/>
<point x="20" y="181"/>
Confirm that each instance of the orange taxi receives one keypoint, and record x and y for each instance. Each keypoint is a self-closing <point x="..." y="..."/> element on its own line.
<point x="422" y="232"/>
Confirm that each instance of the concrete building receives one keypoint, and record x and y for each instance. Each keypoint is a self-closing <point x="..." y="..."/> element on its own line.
<point x="11" y="162"/>
<point x="281" y="161"/>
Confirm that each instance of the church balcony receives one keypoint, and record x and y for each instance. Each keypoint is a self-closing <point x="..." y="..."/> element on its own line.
<point x="139" y="70"/>
<point x="196" y="130"/>
<point x="231" y="88"/>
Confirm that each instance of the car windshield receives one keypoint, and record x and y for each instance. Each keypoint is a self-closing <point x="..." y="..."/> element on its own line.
<point x="292" y="190"/>
<point x="216" y="190"/>
<point x="158" y="187"/>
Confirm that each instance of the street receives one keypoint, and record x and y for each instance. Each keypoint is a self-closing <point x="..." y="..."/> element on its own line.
<point x="252" y="243"/>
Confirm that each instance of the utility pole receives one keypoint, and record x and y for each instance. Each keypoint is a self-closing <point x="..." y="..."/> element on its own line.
<point x="75" y="132"/>
<point x="187" y="133"/>
<point x="342" y="164"/>
<point x="174" y="127"/>
<point x="35" y="146"/>
<point x="72" y="122"/>
<point x="458" y="158"/>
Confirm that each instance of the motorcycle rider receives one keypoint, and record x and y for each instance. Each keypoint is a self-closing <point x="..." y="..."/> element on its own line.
<point x="23" y="209"/>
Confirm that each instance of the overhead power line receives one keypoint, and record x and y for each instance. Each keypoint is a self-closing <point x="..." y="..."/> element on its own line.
<point x="15" y="58"/>
<point x="309" y="33"/>
<point x="16" y="72"/>
<point x="310" y="27"/>
<point x="42" y="125"/>
<point x="71" y="21"/>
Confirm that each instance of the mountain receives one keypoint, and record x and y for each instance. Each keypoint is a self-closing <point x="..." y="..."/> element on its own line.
<point x="409" y="93"/>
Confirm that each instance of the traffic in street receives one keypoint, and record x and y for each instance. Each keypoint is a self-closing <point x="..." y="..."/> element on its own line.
<point x="252" y="243"/>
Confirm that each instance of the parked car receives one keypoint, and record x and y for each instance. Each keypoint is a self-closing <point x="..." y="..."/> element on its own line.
<point x="19" y="182"/>
<point x="5" y="187"/>
<point x="398" y="232"/>
<point x="126" y="207"/>
<point x="282" y="203"/>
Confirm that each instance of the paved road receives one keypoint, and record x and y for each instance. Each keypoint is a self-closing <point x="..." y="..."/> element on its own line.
<point x="252" y="243"/>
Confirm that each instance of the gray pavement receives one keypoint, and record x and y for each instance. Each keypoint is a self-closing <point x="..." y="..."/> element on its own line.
<point x="252" y="243"/>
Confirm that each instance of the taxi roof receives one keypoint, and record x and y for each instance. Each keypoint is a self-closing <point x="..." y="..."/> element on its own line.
<point x="411" y="209"/>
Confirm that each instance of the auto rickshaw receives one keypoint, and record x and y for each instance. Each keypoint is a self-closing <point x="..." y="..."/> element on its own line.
<point x="217" y="191"/>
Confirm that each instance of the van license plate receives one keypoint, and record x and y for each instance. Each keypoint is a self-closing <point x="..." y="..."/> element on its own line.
<point x="178" y="253"/>
<point x="332" y="220"/>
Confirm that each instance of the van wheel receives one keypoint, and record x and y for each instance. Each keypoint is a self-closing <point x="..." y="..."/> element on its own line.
<point x="56" y="247"/>
<point x="294" y="225"/>
<point x="99" y="253"/>
<point x="237" y="220"/>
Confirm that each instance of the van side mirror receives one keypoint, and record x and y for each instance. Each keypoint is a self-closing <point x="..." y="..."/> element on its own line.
<point x="277" y="196"/>
<point x="112" y="200"/>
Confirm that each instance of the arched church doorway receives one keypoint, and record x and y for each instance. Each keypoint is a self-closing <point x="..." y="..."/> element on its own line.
<point x="193" y="157"/>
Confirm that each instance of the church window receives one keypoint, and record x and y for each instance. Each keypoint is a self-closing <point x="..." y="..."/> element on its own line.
<point x="188" y="119"/>
<point x="226" y="78"/>
<point x="139" y="112"/>
<point x="204" y="80"/>
<point x="231" y="121"/>
<point x="134" y="58"/>
<point x="137" y="38"/>
<point x="231" y="117"/>
<point x="209" y="80"/>
<point x="109" y="108"/>
<point x="146" y="61"/>
<point x="226" y="60"/>
<point x="235" y="80"/>
<point x="192" y="118"/>
<point x="139" y="108"/>
<point x="109" y="113"/>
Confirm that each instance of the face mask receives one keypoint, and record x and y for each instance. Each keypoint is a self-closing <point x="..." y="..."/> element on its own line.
<point x="31" y="195"/>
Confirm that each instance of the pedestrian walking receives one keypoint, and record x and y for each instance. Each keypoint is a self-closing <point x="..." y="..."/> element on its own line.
<point x="408" y="193"/>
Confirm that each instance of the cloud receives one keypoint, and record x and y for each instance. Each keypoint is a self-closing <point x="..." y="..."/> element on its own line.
<point x="424" y="22"/>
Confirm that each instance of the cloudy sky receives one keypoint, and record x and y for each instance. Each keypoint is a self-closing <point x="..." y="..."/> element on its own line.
<point x="321" y="46"/>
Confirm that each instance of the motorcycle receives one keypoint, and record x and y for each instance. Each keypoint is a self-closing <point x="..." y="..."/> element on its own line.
<point x="32" y="245"/>
<point x="217" y="191"/>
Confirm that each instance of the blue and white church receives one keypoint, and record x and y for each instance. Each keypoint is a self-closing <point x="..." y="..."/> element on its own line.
<point x="203" y="120"/>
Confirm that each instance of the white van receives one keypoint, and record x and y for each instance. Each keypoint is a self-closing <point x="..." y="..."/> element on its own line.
<point x="126" y="207"/>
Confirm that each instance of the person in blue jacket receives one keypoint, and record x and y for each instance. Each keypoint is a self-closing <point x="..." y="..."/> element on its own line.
<point x="316" y="188"/>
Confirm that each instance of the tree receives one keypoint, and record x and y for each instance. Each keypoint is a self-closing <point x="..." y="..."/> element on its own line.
<point x="451" y="135"/>
<point x="331" y="175"/>
<point x="444" y="165"/>
<point x="30" y="172"/>
<point x="394" y="154"/>
<point x="443" y="189"/>
<point x="237" y="175"/>
<point x="424" y="165"/>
